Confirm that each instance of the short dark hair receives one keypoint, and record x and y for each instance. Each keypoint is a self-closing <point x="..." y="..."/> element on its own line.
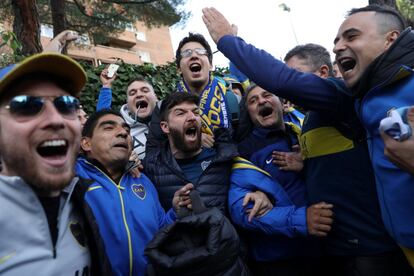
<point x="139" y="78"/>
<point x="390" y="19"/>
<point x="92" y="121"/>
<point x="315" y="55"/>
<point x="193" y="37"/>
<point x="174" y="99"/>
<point x="251" y="86"/>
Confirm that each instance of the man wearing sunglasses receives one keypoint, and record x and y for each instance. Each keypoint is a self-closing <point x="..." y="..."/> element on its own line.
<point x="42" y="230"/>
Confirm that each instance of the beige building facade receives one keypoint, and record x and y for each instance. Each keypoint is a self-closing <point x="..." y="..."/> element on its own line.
<point x="136" y="45"/>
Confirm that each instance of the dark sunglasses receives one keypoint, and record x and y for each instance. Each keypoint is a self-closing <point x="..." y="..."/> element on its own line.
<point x="29" y="106"/>
<point x="188" y="52"/>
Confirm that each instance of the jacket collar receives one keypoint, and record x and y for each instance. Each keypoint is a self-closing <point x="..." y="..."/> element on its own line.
<point x="226" y="149"/>
<point x="390" y="66"/>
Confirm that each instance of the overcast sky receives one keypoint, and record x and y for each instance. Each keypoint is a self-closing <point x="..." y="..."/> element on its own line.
<point x="264" y="24"/>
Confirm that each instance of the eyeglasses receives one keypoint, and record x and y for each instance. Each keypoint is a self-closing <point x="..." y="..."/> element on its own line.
<point x="29" y="106"/>
<point x="188" y="52"/>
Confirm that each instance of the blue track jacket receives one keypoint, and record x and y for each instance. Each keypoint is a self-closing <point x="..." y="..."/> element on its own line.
<point x="128" y="214"/>
<point x="395" y="187"/>
<point x="281" y="229"/>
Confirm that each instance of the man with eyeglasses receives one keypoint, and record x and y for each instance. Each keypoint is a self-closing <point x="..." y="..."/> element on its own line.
<point x="218" y="105"/>
<point x="42" y="228"/>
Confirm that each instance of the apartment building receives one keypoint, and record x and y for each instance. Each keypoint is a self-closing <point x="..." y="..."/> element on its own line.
<point x="136" y="45"/>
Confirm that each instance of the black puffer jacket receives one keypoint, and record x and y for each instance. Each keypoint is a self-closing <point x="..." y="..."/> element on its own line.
<point x="202" y="243"/>
<point x="213" y="184"/>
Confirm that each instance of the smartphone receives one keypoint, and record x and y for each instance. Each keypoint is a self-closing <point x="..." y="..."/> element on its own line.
<point x="112" y="70"/>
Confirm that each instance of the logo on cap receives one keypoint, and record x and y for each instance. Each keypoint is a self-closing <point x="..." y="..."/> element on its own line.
<point x="138" y="190"/>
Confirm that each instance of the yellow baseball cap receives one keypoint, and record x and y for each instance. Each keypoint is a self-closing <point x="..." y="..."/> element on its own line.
<point x="60" y="66"/>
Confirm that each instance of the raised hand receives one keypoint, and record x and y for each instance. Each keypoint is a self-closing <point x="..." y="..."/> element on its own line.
<point x="217" y="24"/>
<point x="60" y="41"/>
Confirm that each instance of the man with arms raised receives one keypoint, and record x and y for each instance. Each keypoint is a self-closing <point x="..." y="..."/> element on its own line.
<point x="338" y="170"/>
<point x="137" y="112"/>
<point x="374" y="55"/>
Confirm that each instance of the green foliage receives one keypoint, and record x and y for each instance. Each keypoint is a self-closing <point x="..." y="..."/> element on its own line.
<point x="100" y="18"/>
<point x="10" y="42"/>
<point x="164" y="79"/>
<point x="406" y="8"/>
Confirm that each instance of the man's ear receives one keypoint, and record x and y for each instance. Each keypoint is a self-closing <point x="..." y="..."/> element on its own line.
<point x="391" y="38"/>
<point x="323" y="71"/>
<point x="164" y="127"/>
<point x="85" y="144"/>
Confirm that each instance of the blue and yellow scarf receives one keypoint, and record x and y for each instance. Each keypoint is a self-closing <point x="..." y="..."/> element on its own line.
<point x="213" y="109"/>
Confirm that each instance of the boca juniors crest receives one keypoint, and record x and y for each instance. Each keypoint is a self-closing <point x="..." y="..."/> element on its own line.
<point x="138" y="190"/>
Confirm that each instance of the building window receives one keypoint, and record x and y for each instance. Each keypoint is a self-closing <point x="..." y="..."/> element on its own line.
<point x="46" y="30"/>
<point x="83" y="40"/>
<point x="140" y="36"/>
<point x="144" y="56"/>
<point x="130" y="27"/>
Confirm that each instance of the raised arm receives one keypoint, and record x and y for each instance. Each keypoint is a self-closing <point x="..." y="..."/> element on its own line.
<point x="105" y="93"/>
<point x="304" y="89"/>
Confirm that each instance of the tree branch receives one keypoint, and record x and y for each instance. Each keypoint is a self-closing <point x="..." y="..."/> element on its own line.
<point x="80" y="8"/>
<point x="130" y="2"/>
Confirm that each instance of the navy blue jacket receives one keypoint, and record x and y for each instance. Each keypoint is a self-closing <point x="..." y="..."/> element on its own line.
<point x="276" y="235"/>
<point x="127" y="214"/>
<point x="358" y="213"/>
<point x="214" y="182"/>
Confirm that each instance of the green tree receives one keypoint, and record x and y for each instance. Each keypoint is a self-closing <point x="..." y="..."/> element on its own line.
<point x="406" y="7"/>
<point x="390" y="3"/>
<point x="97" y="18"/>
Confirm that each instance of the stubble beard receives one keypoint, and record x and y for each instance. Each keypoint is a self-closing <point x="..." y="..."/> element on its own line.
<point x="54" y="180"/>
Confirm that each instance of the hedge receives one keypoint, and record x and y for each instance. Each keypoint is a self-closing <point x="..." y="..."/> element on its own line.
<point x="164" y="79"/>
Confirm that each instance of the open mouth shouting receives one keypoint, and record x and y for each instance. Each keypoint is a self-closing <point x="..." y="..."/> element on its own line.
<point x="192" y="132"/>
<point x="195" y="68"/>
<point x="265" y="111"/>
<point x="54" y="151"/>
<point x="346" y="65"/>
<point x="142" y="106"/>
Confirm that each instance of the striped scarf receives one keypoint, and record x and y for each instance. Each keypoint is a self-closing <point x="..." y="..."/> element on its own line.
<point x="213" y="109"/>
